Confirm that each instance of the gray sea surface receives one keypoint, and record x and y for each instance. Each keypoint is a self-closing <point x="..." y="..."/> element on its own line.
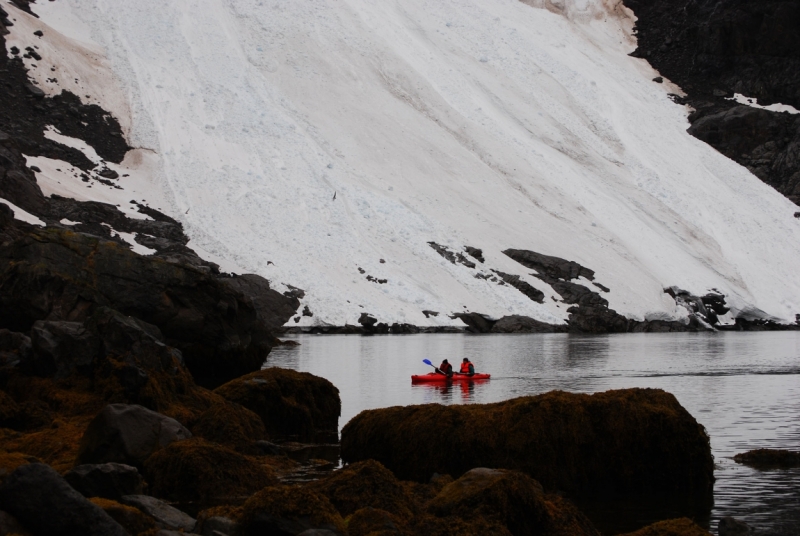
<point x="743" y="387"/>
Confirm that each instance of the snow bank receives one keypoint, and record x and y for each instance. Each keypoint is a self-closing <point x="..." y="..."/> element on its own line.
<point x="304" y="140"/>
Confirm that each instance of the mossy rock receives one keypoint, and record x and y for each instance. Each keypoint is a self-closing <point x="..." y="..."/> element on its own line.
<point x="364" y="484"/>
<point x="510" y="498"/>
<point x="374" y="522"/>
<point x="132" y="519"/>
<point x="232" y="425"/>
<point x="288" y="511"/>
<point x="625" y="441"/>
<point x="197" y="471"/>
<point x="455" y="526"/>
<point x="292" y="405"/>
<point x="672" y="527"/>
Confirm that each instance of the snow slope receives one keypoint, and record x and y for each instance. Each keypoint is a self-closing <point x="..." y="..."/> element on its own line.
<point x="487" y="123"/>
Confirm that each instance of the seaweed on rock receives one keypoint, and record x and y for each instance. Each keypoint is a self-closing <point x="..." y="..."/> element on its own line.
<point x="288" y="510"/>
<point x="624" y="441"/>
<point x="132" y="519"/>
<point x="232" y="425"/>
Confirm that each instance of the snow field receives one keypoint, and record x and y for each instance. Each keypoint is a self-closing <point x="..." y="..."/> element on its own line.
<point x="488" y="123"/>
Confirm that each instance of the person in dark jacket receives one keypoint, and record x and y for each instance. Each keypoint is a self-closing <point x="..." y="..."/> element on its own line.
<point x="446" y="369"/>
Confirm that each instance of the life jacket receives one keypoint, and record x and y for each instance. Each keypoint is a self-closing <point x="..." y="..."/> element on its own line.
<point x="465" y="367"/>
<point x="446" y="368"/>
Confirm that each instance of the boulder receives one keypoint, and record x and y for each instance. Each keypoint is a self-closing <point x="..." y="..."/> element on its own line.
<point x="524" y="324"/>
<point x="672" y="527"/>
<point x="107" y="480"/>
<point x="292" y="405"/>
<point x="164" y="515"/>
<point x="45" y="504"/>
<point x="232" y="425"/>
<point x="512" y="499"/>
<point x="56" y="274"/>
<point x="128" y="434"/>
<point x="365" y="484"/>
<point x="626" y="441"/>
<point x="769" y="458"/>
<point x="61" y="348"/>
<point x="208" y="474"/>
<point x="132" y="519"/>
<point x="9" y="525"/>
<point x="729" y="526"/>
<point x="287" y="511"/>
<point x="214" y="526"/>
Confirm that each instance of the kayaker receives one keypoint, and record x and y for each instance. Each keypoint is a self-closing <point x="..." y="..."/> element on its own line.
<point x="445" y="368"/>
<point x="467" y="367"/>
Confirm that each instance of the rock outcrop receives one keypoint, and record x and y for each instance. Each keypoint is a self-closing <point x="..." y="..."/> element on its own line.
<point x="106" y="480"/>
<point x="562" y="440"/>
<point x="715" y="49"/>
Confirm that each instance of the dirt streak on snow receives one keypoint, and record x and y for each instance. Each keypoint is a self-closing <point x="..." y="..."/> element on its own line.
<point x="488" y="123"/>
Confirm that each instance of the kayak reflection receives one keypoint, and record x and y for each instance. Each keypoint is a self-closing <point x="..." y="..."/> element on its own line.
<point x="449" y="389"/>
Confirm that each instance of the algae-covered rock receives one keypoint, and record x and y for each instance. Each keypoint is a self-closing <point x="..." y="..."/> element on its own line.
<point x="45" y="504"/>
<point x="9" y="461"/>
<point x="512" y="499"/>
<point x="288" y="511"/>
<point x="198" y="471"/>
<point x="769" y="458"/>
<point x="132" y="519"/>
<point x="374" y="522"/>
<point x="292" y="405"/>
<point x="623" y="441"/>
<point x="671" y="527"/>
<point x="231" y="424"/>
<point x="128" y="434"/>
<point x="364" y="484"/>
<point x="164" y="515"/>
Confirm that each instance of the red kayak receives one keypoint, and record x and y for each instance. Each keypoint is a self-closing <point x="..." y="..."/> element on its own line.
<point x="433" y="377"/>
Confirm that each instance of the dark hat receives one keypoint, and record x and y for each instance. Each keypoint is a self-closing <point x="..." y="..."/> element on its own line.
<point x="445" y="361"/>
<point x="465" y="360"/>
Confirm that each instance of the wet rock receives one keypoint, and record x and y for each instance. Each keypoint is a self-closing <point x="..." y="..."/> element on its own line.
<point x="216" y="525"/>
<point x="769" y="458"/>
<point x="204" y="473"/>
<point x="512" y="498"/>
<point x="165" y="515"/>
<point x="288" y="511"/>
<point x="292" y="405"/>
<point x="231" y="425"/>
<point x="729" y="526"/>
<point x="672" y="527"/>
<point x="61" y="348"/>
<point x="44" y="503"/>
<point x="107" y="480"/>
<point x="524" y="324"/>
<point x="558" y="438"/>
<point x="363" y="484"/>
<point x="132" y="519"/>
<point x="34" y="90"/>
<point x="128" y="434"/>
<point x="366" y="521"/>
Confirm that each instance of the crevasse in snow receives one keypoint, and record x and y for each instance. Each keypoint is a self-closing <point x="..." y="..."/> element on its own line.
<point x="489" y="123"/>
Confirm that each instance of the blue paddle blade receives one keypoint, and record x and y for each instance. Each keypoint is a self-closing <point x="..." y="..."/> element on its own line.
<point x="427" y="362"/>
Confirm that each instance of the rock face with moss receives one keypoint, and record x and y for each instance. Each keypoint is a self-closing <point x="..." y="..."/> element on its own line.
<point x="292" y="405"/>
<point x="626" y="441"/>
<point x="58" y="275"/>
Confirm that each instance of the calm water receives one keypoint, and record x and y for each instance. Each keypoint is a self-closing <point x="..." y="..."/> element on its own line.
<point x="743" y="387"/>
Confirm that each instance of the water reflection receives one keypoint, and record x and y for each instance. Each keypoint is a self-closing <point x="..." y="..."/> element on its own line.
<point x="743" y="387"/>
<point x="464" y="390"/>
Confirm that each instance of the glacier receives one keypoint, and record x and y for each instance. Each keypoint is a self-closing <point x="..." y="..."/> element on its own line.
<point x="316" y="142"/>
